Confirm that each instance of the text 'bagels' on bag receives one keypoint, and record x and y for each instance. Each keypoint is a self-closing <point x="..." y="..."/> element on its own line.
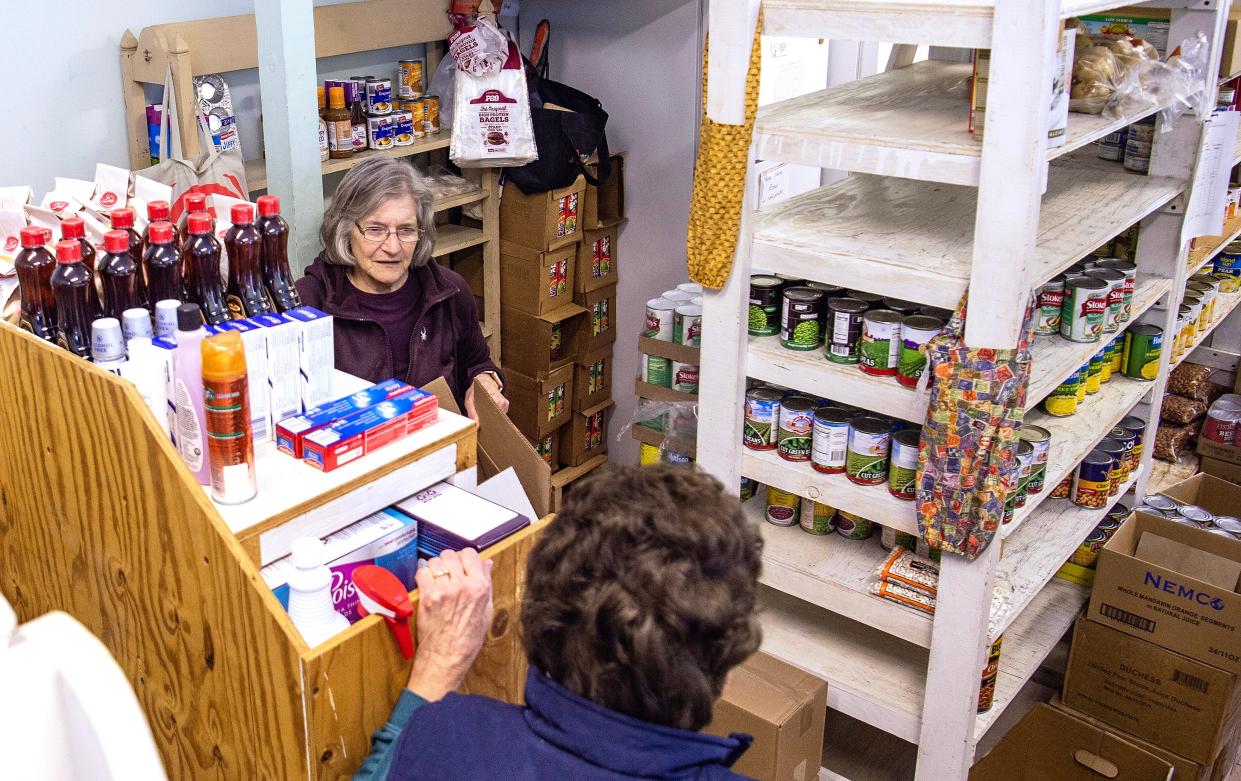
<point x="491" y="118"/>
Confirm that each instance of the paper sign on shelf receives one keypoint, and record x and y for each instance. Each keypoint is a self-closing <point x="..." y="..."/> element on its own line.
<point x="1204" y="216"/>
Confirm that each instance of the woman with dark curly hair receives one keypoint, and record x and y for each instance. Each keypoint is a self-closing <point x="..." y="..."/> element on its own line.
<point x="640" y="598"/>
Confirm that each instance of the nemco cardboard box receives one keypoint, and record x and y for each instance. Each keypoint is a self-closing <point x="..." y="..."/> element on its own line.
<point x="784" y="709"/>
<point x="592" y="379"/>
<point x="1172" y="585"/>
<point x="1053" y="745"/>
<point x="542" y="221"/>
<point x="1160" y="696"/>
<point x="596" y="260"/>
<point x="534" y="344"/>
<point x="536" y="282"/>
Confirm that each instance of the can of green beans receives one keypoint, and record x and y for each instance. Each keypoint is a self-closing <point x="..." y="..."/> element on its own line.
<point x="846" y="329"/>
<point x="762" y="418"/>
<point x="903" y="466"/>
<point x="1040" y="442"/>
<point x="916" y="332"/>
<point x="870" y="443"/>
<point x="796" y="428"/>
<point x="881" y="342"/>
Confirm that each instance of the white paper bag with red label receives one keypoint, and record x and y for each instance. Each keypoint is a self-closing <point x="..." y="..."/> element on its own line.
<point x="491" y="118"/>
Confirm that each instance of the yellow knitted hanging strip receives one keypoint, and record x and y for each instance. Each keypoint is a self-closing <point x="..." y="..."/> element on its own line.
<point x="719" y="182"/>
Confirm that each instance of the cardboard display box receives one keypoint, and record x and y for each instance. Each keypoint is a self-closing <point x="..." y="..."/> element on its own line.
<point x="536" y="282"/>
<point x="1221" y="469"/>
<point x="540" y="405"/>
<point x="600" y="327"/>
<point x="1053" y="745"/>
<point x="1172" y="585"/>
<point x="784" y="709"/>
<point x="596" y="260"/>
<point x="1227" y="454"/>
<point x="586" y="435"/>
<point x="1160" y="696"/>
<point x="527" y="341"/>
<point x="592" y="379"/>
<point x="548" y="449"/>
<point x="542" y="221"/>
<point x="604" y="206"/>
<point x="1209" y="493"/>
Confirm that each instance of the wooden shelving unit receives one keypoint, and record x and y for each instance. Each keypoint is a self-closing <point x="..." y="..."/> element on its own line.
<point x="925" y="213"/>
<point x="102" y="520"/>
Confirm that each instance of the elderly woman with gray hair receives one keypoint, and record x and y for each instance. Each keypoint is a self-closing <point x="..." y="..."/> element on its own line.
<point x="396" y="313"/>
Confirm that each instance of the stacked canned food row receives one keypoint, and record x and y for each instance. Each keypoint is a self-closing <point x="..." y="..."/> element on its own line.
<point x="1033" y="451"/>
<point x="1092" y="299"/>
<point x="885" y="337"/>
<point x="833" y="438"/>
<point x="674" y="316"/>
<point x="1106" y="468"/>
<point x="1227" y="268"/>
<point x="1130" y="146"/>
<point x="1199" y="310"/>
<point x="1192" y="515"/>
<point x="1087" y="552"/>
<point x="1135" y="354"/>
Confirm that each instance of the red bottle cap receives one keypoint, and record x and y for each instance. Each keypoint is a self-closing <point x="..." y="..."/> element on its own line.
<point x="241" y="214"/>
<point x="161" y="232"/>
<point x="123" y="218"/>
<point x="73" y="228"/>
<point x="269" y="205"/>
<point x="199" y="223"/>
<point x="158" y="210"/>
<point x="69" y="251"/>
<point x="32" y="236"/>
<point x="115" y="241"/>
<point x="195" y="202"/>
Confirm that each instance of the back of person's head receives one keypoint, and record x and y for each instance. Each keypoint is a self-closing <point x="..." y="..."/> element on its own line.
<point x="640" y="595"/>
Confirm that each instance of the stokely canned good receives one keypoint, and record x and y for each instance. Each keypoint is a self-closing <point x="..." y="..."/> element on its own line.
<point x="1084" y="308"/>
<point x="1115" y="297"/>
<point x="1087" y="552"/>
<point x="793" y="439"/>
<point x="1050" y="301"/>
<point x="1062" y="402"/>
<point x="801" y="319"/>
<point x="852" y="527"/>
<point x="657" y="370"/>
<point x="765" y="302"/>
<point x="660" y="313"/>
<point x="687" y="325"/>
<point x="685" y="377"/>
<point x="1025" y="469"/>
<point x="380" y="132"/>
<point x="1094" y="374"/>
<point x="870" y="443"/>
<point x="990" y="673"/>
<point x="881" y="342"/>
<point x="409" y="78"/>
<point x="830" y="441"/>
<point x="378" y="96"/>
<point x="1130" y="270"/>
<point x="1115" y="448"/>
<point x="1092" y="480"/>
<point x="1040" y="443"/>
<point x="903" y="466"/>
<point x="402" y="128"/>
<point x="1143" y="343"/>
<point x="762" y="418"/>
<point x="431" y="114"/>
<point x="916" y="332"/>
<point x="820" y="520"/>
<point x="782" y="507"/>
<point x="846" y="329"/>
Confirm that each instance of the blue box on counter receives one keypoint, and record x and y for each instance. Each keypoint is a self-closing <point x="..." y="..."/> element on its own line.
<point x="291" y="432"/>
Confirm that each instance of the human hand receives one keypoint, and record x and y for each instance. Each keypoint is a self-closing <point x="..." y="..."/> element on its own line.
<point x="492" y="386"/>
<point x="454" y="614"/>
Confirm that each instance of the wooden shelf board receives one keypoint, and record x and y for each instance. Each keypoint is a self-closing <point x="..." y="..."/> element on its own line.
<point x="885" y="230"/>
<point x="1224" y="304"/>
<point x="256" y="169"/>
<point x="909" y="122"/>
<point x="833" y="573"/>
<point x="1210" y="246"/>
<point x="1032" y="557"/>
<point x="872" y="502"/>
<point x="461" y="199"/>
<point x="453" y="238"/>
<point x="1074" y="436"/>
<point x="563" y="477"/>
<point x="655" y="438"/>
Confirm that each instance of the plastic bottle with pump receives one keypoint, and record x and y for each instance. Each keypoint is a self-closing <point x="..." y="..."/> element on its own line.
<point x="162" y="262"/>
<point x="73" y="287"/>
<point x="201" y="270"/>
<point x="226" y="397"/>
<point x="274" y="260"/>
<point x="121" y="276"/>
<point x="35" y="265"/>
<point x="75" y="228"/>
<point x="245" y="294"/>
<point x="191" y="418"/>
<point x="310" y="593"/>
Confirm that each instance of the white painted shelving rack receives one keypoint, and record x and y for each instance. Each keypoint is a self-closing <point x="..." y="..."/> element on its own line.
<point x="925" y="213"/>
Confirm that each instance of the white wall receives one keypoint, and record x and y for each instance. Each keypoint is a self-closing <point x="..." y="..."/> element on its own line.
<point x="641" y="59"/>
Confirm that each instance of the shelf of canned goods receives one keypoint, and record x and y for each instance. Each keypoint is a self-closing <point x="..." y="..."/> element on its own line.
<point x="812" y="351"/>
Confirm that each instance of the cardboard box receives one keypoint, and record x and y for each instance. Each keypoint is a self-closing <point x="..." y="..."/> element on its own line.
<point x="1221" y="469"/>
<point x="1143" y="586"/>
<point x="1158" y="695"/>
<point x="600" y="328"/>
<point x="596" y="260"/>
<point x="542" y="221"/>
<point x="469" y="264"/>
<point x="1230" y="51"/>
<point x="548" y="448"/>
<point x="526" y="340"/>
<point x="784" y="709"/>
<point x="1054" y="745"/>
<point x="1207" y="492"/>
<point x="540" y="405"/>
<point x="1226" y="454"/>
<point x="536" y="282"/>
<point x="592" y="379"/>
<point x="604" y="206"/>
<point x="586" y="435"/>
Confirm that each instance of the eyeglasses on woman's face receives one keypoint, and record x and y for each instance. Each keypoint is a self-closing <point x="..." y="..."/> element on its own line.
<point x="378" y="234"/>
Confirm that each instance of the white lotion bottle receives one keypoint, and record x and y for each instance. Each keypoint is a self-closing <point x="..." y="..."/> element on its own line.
<point x="310" y="593"/>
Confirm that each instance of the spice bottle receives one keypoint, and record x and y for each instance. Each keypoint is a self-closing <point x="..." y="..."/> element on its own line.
<point x="35" y="265"/>
<point x="226" y="401"/>
<point x="162" y="262"/>
<point x="339" y="125"/>
<point x="121" y="276"/>
<point x="202" y="270"/>
<point x="274" y="260"/>
<point x="73" y="286"/>
<point x="244" y="295"/>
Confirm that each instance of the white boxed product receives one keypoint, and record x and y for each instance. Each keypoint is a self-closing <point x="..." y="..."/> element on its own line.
<point x="283" y="379"/>
<point x="254" y="341"/>
<point x="316" y="354"/>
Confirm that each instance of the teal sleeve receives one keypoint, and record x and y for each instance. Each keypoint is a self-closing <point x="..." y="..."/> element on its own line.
<point x="377" y="763"/>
